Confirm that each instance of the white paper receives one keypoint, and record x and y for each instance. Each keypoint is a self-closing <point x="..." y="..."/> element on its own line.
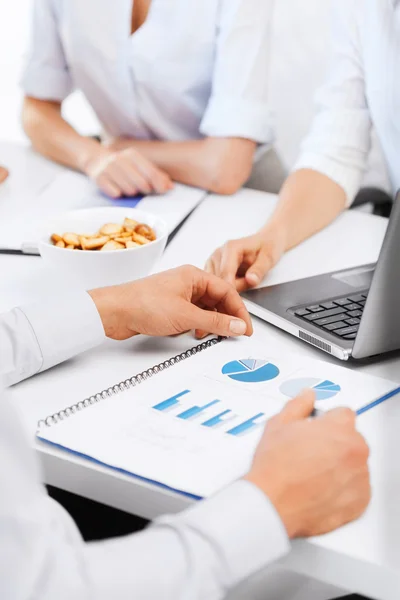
<point x="195" y="426"/>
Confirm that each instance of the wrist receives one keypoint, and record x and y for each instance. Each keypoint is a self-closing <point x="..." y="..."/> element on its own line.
<point x="277" y="231"/>
<point x="92" y="152"/>
<point x="107" y="309"/>
<point x="117" y="312"/>
<point x="118" y="144"/>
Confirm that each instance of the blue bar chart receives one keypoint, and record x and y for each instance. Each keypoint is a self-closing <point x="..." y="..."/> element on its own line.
<point x="182" y="406"/>
<point x="221" y="419"/>
<point x="247" y="426"/>
<point x="171" y="403"/>
<point x="195" y="411"/>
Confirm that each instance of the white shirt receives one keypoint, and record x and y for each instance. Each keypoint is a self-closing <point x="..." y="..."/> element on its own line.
<point x="195" y="68"/>
<point x="363" y="89"/>
<point x="199" y="554"/>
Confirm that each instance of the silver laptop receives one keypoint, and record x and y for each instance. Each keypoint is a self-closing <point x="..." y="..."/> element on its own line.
<point x="351" y="313"/>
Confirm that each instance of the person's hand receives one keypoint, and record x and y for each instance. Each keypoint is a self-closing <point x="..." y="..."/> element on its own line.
<point x="171" y="303"/>
<point x="126" y="173"/>
<point x="314" y="471"/>
<point x="3" y="174"/>
<point x="244" y="262"/>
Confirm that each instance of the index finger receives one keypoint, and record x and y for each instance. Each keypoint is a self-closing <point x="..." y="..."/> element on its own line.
<point x="231" y="259"/>
<point x="219" y="294"/>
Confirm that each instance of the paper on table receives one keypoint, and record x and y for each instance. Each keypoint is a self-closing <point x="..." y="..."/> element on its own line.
<point x="70" y="191"/>
<point x="194" y="428"/>
<point x="230" y="217"/>
<point x="30" y="173"/>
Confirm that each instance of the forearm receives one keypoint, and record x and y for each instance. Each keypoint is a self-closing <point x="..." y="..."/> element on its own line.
<point x="53" y="137"/>
<point x="308" y="202"/>
<point x="183" y="161"/>
<point x="197" y="554"/>
<point x="219" y="165"/>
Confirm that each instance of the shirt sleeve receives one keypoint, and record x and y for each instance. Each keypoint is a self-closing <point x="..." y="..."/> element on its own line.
<point x="238" y="104"/>
<point x="46" y="75"/>
<point x="38" y="336"/>
<point x="205" y="550"/>
<point x="340" y="138"/>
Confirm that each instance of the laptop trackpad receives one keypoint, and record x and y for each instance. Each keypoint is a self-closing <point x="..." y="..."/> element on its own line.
<point x="356" y="278"/>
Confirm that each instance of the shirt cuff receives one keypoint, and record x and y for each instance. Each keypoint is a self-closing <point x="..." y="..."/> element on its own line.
<point x="46" y="83"/>
<point x="230" y="117"/>
<point x="346" y="177"/>
<point x="64" y="326"/>
<point x="243" y="527"/>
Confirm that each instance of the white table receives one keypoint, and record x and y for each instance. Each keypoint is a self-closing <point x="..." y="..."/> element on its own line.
<point x="364" y="556"/>
<point x="38" y="189"/>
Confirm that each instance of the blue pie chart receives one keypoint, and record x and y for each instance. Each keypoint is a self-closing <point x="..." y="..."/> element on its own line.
<point x="250" y="370"/>
<point x="324" y="390"/>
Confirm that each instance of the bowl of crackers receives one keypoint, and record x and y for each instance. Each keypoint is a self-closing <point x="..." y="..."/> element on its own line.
<point x="97" y="247"/>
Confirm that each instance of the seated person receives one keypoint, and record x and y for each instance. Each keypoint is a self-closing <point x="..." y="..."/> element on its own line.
<point x="363" y="89"/>
<point x="179" y="88"/>
<point x="308" y="477"/>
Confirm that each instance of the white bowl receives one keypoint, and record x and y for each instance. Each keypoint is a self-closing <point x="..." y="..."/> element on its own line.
<point x="89" y="269"/>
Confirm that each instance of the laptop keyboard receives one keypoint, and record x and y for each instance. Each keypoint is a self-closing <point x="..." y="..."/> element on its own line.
<point x="341" y="316"/>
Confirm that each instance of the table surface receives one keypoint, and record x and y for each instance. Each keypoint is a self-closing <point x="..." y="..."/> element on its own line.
<point x="363" y="556"/>
<point x="37" y="190"/>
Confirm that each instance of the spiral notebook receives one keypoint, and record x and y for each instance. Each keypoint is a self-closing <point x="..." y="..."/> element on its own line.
<point x="192" y="423"/>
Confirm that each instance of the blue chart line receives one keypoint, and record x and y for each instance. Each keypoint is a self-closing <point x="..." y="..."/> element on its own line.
<point x="246" y="426"/>
<point x="171" y="402"/>
<point x="196" y="410"/>
<point x="218" y="419"/>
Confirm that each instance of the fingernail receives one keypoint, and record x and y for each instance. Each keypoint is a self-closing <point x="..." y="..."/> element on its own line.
<point x="253" y="278"/>
<point x="237" y="327"/>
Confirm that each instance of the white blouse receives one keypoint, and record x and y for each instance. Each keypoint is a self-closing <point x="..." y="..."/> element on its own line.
<point x="195" y="68"/>
<point x="363" y="90"/>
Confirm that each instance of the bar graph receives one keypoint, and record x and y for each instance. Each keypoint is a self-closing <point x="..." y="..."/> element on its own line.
<point x="221" y="419"/>
<point x="171" y="403"/>
<point x="247" y="426"/>
<point x="195" y="411"/>
<point x="212" y="414"/>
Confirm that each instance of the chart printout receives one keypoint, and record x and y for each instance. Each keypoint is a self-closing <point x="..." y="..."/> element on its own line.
<point x="195" y="427"/>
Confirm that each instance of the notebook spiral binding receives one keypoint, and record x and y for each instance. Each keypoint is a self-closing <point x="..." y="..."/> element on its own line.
<point x="125" y="385"/>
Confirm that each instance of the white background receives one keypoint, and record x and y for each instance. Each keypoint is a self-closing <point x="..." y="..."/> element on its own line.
<point x="14" y="41"/>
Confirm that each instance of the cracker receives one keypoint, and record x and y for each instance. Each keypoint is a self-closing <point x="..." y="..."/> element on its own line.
<point x="94" y="243"/>
<point x="110" y="228"/>
<point x="112" y="245"/>
<point x="139" y="239"/>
